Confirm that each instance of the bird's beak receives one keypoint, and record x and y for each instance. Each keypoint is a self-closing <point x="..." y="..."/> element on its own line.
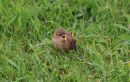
<point x="64" y="36"/>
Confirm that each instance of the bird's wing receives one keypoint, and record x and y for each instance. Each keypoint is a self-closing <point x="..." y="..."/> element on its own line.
<point x="72" y="42"/>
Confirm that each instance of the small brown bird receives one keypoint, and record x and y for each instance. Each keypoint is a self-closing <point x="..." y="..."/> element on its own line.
<point x="63" y="40"/>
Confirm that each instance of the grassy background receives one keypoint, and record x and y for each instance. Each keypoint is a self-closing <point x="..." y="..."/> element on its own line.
<point x="101" y="29"/>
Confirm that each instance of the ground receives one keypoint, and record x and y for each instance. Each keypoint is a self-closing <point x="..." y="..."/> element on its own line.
<point x="101" y="29"/>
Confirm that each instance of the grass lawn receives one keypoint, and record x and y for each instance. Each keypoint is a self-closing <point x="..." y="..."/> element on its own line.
<point x="102" y="32"/>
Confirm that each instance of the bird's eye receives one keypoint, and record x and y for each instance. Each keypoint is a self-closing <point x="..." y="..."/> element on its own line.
<point x="63" y="36"/>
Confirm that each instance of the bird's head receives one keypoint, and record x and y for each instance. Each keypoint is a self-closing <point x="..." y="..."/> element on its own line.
<point x="61" y="33"/>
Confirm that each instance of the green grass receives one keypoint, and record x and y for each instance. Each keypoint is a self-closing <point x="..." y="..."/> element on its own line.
<point x="101" y="29"/>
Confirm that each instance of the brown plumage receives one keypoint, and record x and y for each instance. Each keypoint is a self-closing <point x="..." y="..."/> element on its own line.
<point x="63" y="40"/>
